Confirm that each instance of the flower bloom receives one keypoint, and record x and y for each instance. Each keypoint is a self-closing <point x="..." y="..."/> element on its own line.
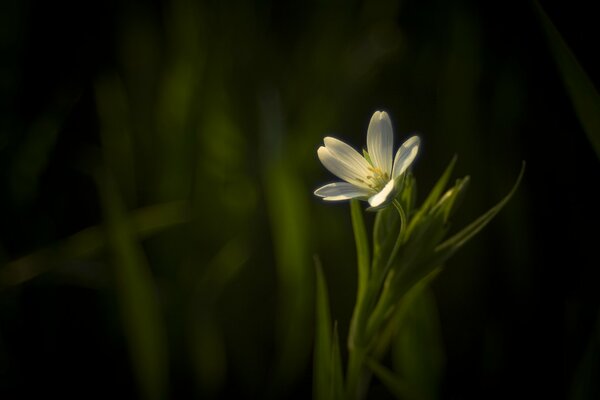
<point x="374" y="177"/>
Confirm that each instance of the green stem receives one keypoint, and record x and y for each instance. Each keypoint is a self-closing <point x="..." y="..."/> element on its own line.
<point x="357" y="375"/>
<point x="403" y="225"/>
<point x="380" y="309"/>
<point x="399" y="242"/>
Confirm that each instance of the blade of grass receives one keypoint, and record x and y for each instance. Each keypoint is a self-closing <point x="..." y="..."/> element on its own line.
<point x="140" y="309"/>
<point x="322" y="365"/>
<point x="434" y="195"/>
<point x="288" y="214"/>
<point x="337" y="375"/>
<point x="206" y="340"/>
<point x="455" y="242"/>
<point x="288" y="209"/>
<point x="581" y="90"/>
<point x="117" y="140"/>
<point x="86" y="243"/>
<point x="452" y="198"/>
<point x="438" y="189"/>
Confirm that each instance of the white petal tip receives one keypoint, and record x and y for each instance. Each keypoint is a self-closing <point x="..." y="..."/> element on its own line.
<point x="327" y="139"/>
<point x="405" y="156"/>
<point x="412" y="141"/>
<point x="380" y="141"/>
<point x="383" y="115"/>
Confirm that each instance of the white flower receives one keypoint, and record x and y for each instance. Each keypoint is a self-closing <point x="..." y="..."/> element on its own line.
<point x="374" y="178"/>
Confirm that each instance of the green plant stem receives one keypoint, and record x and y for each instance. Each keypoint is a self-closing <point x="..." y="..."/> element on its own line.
<point x="399" y="241"/>
<point x="357" y="375"/>
<point x="403" y="221"/>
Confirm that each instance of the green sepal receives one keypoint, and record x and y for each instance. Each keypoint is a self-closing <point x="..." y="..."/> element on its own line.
<point x="367" y="157"/>
<point x="328" y="380"/>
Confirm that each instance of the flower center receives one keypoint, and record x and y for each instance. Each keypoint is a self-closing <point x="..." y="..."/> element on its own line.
<point x="378" y="179"/>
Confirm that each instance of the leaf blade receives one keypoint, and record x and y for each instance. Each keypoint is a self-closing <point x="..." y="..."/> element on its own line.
<point x="456" y="241"/>
<point x="140" y="308"/>
<point x="322" y="366"/>
<point x="288" y="211"/>
<point x="433" y="196"/>
<point x="581" y="90"/>
<point x="337" y="376"/>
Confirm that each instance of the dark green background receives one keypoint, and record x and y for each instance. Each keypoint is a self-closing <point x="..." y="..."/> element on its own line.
<point x="223" y="105"/>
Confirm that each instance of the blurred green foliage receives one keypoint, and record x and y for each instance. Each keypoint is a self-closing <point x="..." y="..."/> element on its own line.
<point x="157" y="163"/>
<point x="581" y="90"/>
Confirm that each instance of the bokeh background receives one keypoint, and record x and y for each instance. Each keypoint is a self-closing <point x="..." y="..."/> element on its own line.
<point x="157" y="163"/>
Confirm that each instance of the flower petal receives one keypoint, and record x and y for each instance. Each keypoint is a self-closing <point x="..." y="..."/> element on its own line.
<point x="380" y="141"/>
<point x="346" y="154"/>
<point x="340" y="168"/>
<point x="385" y="196"/>
<point x="405" y="156"/>
<point x="341" y="191"/>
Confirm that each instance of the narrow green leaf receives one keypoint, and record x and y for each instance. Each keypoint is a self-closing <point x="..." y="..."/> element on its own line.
<point x="581" y="90"/>
<point x="287" y="204"/>
<point x="419" y="257"/>
<point x="140" y="309"/>
<point x="455" y="242"/>
<point x="439" y="187"/>
<point x="322" y="365"/>
<point x="396" y="290"/>
<point x="417" y="350"/>
<point x="222" y="269"/>
<point x="434" y="195"/>
<point x="367" y="156"/>
<point x="396" y="386"/>
<point x="452" y="198"/>
<point x="383" y="341"/>
<point x="116" y="134"/>
<point x="362" y="248"/>
<point x="421" y="243"/>
<point x="337" y="376"/>
<point x="208" y="351"/>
